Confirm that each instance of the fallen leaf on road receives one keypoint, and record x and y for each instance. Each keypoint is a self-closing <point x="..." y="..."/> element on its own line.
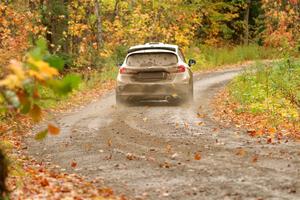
<point x="106" y="192"/>
<point x="109" y="142"/>
<point x="186" y="125"/>
<point x="240" y="152"/>
<point x="168" y="148"/>
<point x="200" y="115"/>
<point x="44" y="182"/>
<point x="130" y="156"/>
<point x="272" y="130"/>
<point x="215" y="129"/>
<point x="259" y="132"/>
<point x="251" y="132"/>
<point x="165" y="165"/>
<point x="269" y="141"/>
<point x="201" y="123"/>
<point x="197" y="156"/>
<point x="254" y="158"/>
<point x="145" y="119"/>
<point x="73" y="164"/>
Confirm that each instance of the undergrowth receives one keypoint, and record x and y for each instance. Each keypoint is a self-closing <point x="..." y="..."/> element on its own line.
<point x="272" y="89"/>
<point x="212" y="57"/>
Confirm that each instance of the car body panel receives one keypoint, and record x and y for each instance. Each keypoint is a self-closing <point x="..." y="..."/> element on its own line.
<point x="154" y="82"/>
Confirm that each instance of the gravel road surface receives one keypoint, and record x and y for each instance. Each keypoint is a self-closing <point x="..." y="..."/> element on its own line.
<point x="157" y="151"/>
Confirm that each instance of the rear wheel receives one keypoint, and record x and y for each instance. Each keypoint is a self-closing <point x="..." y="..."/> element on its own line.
<point x="120" y="100"/>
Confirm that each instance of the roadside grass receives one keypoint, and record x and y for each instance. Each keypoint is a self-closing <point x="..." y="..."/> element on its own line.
<point x="270" y="89"/>
<point x="209" y="58"/>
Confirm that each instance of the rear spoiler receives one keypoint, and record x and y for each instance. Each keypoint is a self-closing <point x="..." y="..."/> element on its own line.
<point x="147" y="48"/>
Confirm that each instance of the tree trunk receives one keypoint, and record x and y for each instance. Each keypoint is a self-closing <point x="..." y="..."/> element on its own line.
<point x="3" y="175"/>
<point x="99" y="24"/>
<point x="116" y="9"/>
<point x="246" y="21"/>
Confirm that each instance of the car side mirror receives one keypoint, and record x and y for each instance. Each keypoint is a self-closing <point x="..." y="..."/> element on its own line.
<point x="192" y="62"/>
<point x="120" y="64"/>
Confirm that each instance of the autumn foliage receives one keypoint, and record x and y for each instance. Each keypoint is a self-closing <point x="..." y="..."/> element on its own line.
<point x="42" y="42"/>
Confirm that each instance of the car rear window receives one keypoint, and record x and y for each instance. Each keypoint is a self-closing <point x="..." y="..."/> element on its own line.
<point x="151" y="59"/>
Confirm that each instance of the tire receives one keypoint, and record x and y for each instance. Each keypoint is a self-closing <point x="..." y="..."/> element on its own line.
<point x="120" y="100"/>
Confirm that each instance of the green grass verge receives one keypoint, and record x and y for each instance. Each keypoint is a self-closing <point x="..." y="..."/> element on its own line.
<point x="212" y="58"/>
<point x="272" y="89"/>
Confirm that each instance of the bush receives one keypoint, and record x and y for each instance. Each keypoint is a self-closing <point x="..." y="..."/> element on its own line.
<point x="273" y="89"/>
<point x="211" y="57"/>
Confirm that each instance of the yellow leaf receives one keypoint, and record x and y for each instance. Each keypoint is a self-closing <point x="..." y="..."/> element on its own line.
<point x="44" y="70"/>
<point x="11" y="81"/>
<point x="272" y="131"/>
<point x="36" y="113"/>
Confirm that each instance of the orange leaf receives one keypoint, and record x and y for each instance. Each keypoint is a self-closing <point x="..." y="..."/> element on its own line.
<point x="251" y="132"/>
<point x="53" y="130"/>
<point x="269" y="141"/>
<point x="106" y="192"/>
<point x="44" y="182"/>
<point x="240" y="152"/>
<point x="73" y="164"/>
<point x="109" y="142"/>
<point x="197" y="156"/>
<point x="272" y="130"/>
<point x="254" y="158"/>
<point x="259" y="132"/>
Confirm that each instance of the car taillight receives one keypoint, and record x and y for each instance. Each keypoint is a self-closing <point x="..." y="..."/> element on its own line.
<point x="181" y="69"/>
<point x="122" y="70"/>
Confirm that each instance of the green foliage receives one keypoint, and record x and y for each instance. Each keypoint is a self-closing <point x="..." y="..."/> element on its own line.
<point x="20" y="87"/>
<point x="55" y="61"/>
<point x="271" y="89"/>
<point x="65" y="85"/>
<point x="211" y="57"/>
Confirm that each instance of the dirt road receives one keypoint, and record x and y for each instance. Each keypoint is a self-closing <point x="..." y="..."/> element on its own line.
<point x="163" y="152"/>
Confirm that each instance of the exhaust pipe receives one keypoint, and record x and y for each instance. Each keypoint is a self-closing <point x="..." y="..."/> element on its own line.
<point x="169" y="98"/>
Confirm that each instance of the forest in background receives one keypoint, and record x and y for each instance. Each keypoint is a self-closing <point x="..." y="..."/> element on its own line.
<point x="93" y="33"/>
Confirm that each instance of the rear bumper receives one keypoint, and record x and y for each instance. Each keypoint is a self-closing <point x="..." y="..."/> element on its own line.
<point x="152" y="90"/>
